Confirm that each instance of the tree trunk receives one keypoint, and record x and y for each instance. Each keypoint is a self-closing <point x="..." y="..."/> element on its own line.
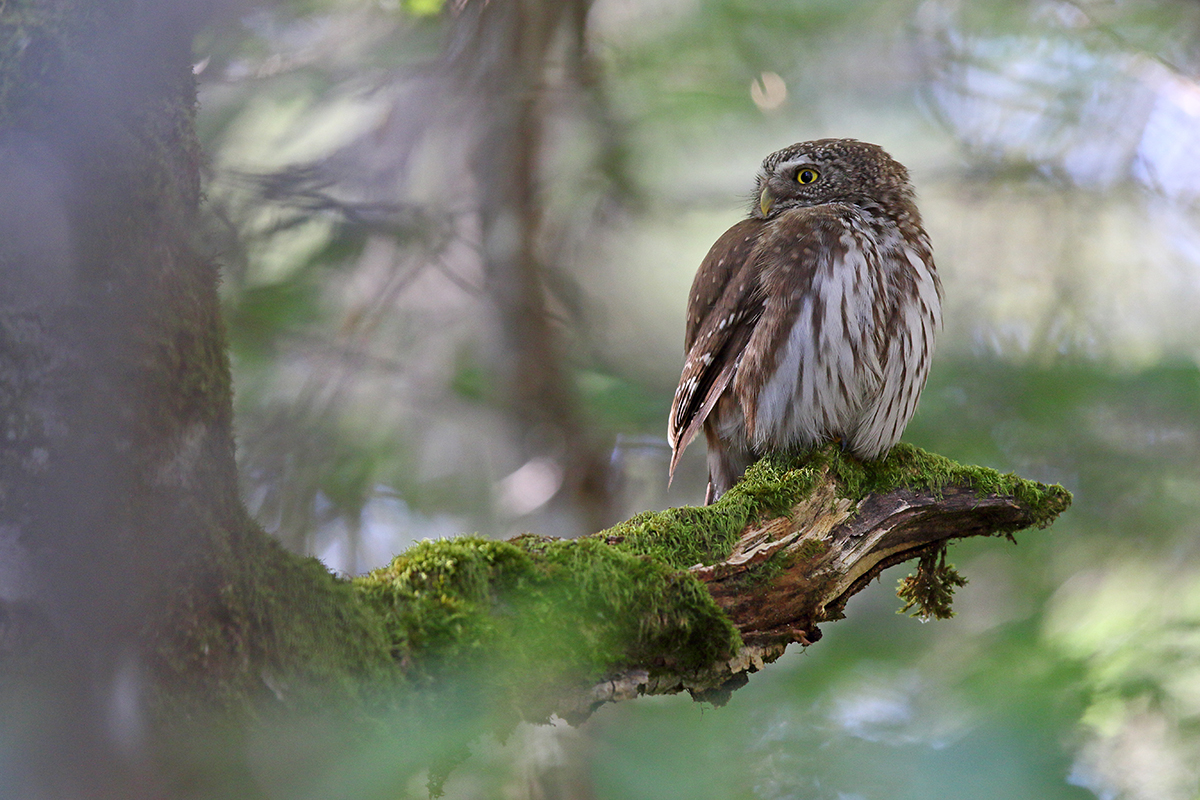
<point x="118" y="454"/>
<point x="126" y="558"/>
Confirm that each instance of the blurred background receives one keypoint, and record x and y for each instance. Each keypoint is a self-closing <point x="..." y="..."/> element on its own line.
<point x="457" y="238"/>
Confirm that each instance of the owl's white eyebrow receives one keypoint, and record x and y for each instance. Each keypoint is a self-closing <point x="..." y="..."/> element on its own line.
<point x="787" y="166"/>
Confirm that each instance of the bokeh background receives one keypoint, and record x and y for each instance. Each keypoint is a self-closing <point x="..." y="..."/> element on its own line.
<point x="457" y="238"/>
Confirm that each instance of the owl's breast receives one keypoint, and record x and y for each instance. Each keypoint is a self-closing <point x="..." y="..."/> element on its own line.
<point x="828" y="362"/>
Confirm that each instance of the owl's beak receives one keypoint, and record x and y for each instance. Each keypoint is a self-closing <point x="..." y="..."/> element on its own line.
<point x="765" y="201"/>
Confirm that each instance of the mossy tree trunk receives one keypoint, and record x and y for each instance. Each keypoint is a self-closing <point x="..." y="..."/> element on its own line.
<point x="126" y="558"/>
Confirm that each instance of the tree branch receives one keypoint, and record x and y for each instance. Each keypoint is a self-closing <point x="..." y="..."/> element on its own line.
<point x="787" y="572"/>
<point x="688" y="599"/>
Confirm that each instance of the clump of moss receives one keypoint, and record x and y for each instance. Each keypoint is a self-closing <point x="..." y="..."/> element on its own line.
<point x="680" y="537"/>
<point x="911" y="467"/>
<point x="931" y="590"/>
<point x="684" y="537"/>
<point x="533" y="612"/>
<point x="433" y="597"/>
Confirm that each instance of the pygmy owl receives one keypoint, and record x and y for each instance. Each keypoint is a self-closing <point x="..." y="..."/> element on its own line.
<point x="812" y="320"/>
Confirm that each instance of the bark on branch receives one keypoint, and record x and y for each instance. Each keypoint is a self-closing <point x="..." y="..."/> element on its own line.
<point x="789" y="572"/>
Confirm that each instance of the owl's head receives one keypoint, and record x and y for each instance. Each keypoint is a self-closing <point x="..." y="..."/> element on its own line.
<point x="832" y="171"/>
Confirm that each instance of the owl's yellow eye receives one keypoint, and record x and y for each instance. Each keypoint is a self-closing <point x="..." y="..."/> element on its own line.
<point x="806" y="176"/>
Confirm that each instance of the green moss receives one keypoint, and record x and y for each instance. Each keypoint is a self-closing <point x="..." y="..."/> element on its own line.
<point x="907" y="466"/>
<point x="764" y="572"/>
<point x="684" y="537"/>
<point x="931" y="590"/>
<point x="436" y="598"/>
<point x="681" y="537"/>
<point x="533" y="611"/>
<point x="518" y="618"/>
<point x="251" y="618"/>
<point x="928" y="593"/>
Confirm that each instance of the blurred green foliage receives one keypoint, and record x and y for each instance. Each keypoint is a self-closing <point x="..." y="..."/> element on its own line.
<point x="1053" y="146"/>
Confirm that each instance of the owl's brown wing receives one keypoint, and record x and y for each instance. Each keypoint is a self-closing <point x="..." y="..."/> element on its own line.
<point x="723" y="306"/>
<point x="765" y="267"/>
<point x="725" y="258"/>
<point x="799" y="243"/>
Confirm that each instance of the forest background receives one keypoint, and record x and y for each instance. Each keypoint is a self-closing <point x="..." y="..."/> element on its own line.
<point x="455" y="252"/>
<point x="1055" y="148"/>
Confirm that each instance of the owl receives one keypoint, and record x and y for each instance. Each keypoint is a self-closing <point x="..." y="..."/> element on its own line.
<point x="813" y="320"/>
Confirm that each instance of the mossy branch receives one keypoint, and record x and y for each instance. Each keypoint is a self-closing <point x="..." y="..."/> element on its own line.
<point x="693" y="599"/>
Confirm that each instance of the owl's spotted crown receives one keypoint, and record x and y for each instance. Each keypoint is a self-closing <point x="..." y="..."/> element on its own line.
<point x="862" y="155"/>
<point x="847" y="171"/>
